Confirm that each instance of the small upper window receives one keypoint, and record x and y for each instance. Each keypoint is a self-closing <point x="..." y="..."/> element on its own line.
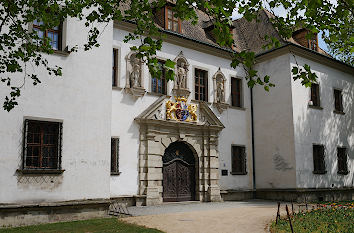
<point x="236" y="92"/>
<point x="54" y="34"/>
<point x="201" y="85"/>
<point x="158" y="85"/>
<point x="42" y="145"/>
<point x="338" y="104"/>
<point x="171" y="22"/>
<point x="315" y="94"/>
<point x="115" y="68"/>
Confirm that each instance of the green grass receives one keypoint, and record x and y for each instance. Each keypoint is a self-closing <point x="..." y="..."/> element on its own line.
<point x="334" y="219"/>
<point x="104" y="225"/>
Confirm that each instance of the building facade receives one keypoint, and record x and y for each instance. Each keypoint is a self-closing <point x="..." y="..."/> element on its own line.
<point x="204" y="136"/>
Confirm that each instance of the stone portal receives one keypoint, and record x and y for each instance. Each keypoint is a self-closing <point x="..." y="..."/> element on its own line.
<point x="157" y="134"/>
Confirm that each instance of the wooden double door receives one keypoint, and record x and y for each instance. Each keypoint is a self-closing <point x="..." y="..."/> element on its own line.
<point x="178" y="173"/>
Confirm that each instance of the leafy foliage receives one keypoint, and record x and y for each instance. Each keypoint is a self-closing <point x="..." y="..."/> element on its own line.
<point x="21" y="47"/>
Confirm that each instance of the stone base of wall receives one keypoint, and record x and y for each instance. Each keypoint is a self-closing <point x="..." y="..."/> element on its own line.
<point x="136" y="200"/>
<point x="311" y="195"/>
<point x="236" y="195"/>
<point x="30" y="214"/>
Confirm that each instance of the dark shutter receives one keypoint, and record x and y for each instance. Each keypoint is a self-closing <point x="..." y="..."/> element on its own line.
<point x="238" y="160"/>
<point x="318" y="159"/>
<point x="115" y="68"/>
<point x="342" y="161"/>
<point x="338" y="100"/>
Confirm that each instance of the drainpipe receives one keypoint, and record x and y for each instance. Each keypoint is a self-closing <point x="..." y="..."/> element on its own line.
<point x="253" y="152"/>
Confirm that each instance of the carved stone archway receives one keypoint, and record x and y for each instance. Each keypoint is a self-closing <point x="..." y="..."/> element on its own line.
<point x="157" y="133"/>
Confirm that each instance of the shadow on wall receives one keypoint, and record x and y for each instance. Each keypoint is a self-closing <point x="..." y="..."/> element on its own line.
<point x="315" y="126"/>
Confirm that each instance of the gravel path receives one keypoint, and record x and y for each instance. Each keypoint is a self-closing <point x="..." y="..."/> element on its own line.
<point x="196" y="217"/>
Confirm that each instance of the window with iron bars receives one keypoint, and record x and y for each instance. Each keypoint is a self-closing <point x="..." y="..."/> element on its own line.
<point x="115" y="156"/>
<point x="42" y="145"/>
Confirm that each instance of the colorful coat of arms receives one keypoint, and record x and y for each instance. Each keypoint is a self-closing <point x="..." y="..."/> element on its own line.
<point x="180" y="110"/>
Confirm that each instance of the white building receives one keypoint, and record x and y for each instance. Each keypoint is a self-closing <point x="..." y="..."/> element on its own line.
<point x="191" y="139"/>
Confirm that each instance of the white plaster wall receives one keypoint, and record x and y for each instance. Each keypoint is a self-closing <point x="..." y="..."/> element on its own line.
<point x="273" y="129"/>
<point x="81" y="99"/>
<point x="125" y="108"/>
<point x="313" y="126"/>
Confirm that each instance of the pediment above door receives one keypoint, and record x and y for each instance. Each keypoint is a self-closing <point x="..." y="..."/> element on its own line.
<point x="177" y="110"/>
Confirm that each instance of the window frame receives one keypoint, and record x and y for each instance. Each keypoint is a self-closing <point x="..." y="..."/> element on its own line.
<point x="60" y="32"/>
<point x="163" y="79"/>
<point x="243" y="160"/>
<point x="41" y="169"/>
<point x="167" y="8"/>
<point x="319" y="167"/>
<point x="318" y="95"/>
<point x="240" y="95"/>
<point x="340" y="110"/>
<point x="205" y="86"/>
<point x="345" y="171"/>
<point x="116" y="170"/>
<point x="115" y="67"/>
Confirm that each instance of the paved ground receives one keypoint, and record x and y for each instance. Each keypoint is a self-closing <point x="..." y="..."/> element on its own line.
<point x="196" y="217"/>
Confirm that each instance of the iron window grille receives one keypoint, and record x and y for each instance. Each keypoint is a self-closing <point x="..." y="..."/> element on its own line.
<point x="319" y="165"/>
<point x="42" y="145"/>
<point x="115" y="156"/>
<point x="342" y="161"/>
<point x="238" y="160"/>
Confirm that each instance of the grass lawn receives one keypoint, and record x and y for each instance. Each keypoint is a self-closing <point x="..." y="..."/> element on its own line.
<point x="333" y="218"/>
<point x="103" y="225"/>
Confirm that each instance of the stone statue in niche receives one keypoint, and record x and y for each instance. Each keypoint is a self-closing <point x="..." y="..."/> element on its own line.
<point x="135" y="73"/>
<point x="134" y="78"/>
<point x="220" y="93"/>
<point x="181" y="76"/>
<point x="181" y="79"/>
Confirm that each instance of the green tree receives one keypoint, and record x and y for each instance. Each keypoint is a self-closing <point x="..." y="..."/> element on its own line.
<point x="19" y="46"/>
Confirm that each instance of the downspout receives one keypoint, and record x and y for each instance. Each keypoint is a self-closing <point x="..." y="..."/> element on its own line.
<point x="253" y="152"/>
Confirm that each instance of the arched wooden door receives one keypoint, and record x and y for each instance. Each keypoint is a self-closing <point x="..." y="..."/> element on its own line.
<point x="178" y="173"/>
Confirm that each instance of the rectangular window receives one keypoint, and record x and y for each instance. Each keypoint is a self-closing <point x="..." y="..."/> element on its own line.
<point x="236" y="92"/>
<point x="342" y="160"/>
<point x="54" y="34"/>
<point x="115" y="68"/>
<point x="158" y="85"/>
<point x="338" y="105"/>
<point x="172" y="23"/>
<point x="115" y="156"/>
<point x="42" y="145"/>
<point x="319" y="166"/>
<point x="201" y="85"/>
<point x="238" y="160"/>
<point x="315" y="94"/>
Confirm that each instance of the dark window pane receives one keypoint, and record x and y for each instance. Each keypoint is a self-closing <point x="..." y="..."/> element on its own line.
<point x="114" y="155"/>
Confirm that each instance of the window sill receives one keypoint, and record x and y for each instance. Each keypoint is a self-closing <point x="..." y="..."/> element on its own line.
<point x="115" y="173"/>
<point x="116" y="88"/>
<point x="343" y="172"/>
<point x="61" y="53"/>
<point x="156" y="94"/>
<point x="339" y="112"/>
<point x="319" y="172"/>
<point x="40" y="171"/>
<point x="315" y="107"/>
<point x="237" y="108"/>
<point x="238" y="173"/>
